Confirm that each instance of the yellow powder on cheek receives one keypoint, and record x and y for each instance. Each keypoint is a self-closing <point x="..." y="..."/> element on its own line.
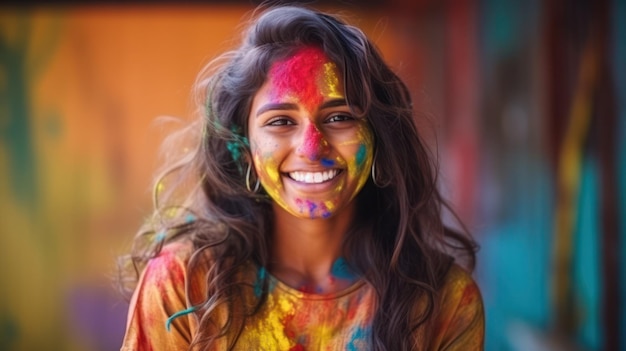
<point x="330" y="206"/>
<point x="267" y="167"/>
<point x="271" y="179"/>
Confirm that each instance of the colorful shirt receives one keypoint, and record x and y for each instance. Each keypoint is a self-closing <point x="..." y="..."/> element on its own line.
<point x="291" y="319"/>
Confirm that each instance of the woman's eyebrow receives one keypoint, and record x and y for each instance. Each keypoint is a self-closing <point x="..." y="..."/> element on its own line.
<point x="276" y="106"/>
<point x="291" y="106"/>
<point x="334" y="103"/>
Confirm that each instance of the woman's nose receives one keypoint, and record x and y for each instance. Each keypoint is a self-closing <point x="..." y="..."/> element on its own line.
<point x="313" y="145"/>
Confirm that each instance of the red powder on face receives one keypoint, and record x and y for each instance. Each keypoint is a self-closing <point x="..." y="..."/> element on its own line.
<point x="298" y="75"/>
<point x="312" y="144"/>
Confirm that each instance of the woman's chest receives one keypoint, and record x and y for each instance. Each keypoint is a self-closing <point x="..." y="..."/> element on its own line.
<point x="291" y="322"/>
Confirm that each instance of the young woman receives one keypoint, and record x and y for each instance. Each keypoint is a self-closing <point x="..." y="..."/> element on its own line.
<point x="312" y="219"/>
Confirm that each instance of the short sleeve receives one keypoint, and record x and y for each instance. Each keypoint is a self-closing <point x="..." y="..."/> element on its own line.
<point x="160" y="293"/>
<point x="460" y="321"/>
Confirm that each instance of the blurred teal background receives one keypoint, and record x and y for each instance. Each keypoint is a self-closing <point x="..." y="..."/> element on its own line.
<point x="523" y="102"/>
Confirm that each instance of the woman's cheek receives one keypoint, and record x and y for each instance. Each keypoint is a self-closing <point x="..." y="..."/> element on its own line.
<point x="271" y="168"/>
<point x="361" y="161"/>
<point x="266" y="167"/>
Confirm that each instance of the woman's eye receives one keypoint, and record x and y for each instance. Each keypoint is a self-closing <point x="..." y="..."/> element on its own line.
<point x="340" y="117"/>
<point x="278" y="122"/>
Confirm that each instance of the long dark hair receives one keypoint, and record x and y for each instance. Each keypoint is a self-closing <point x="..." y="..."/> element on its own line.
<point x="397" y="240"/>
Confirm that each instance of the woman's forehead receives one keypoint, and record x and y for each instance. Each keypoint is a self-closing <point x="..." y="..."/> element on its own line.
<point x="308" y="75"/>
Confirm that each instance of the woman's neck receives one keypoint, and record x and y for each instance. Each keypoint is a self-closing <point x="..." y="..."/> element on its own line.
<point x="305" y="251"/>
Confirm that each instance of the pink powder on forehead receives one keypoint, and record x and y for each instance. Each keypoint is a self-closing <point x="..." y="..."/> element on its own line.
<point x="299" y="75"/>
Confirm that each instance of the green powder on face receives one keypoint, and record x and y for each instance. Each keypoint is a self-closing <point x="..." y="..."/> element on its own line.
<point x="360" y="155"/>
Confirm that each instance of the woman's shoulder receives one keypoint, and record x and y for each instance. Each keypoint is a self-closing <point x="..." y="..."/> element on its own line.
<point x="459" y="317"/>
<point x="459" y="292"/>
<point x="159" y="295"/>
<point x="173" y="254"/>
<point x="457" y="280"/>
<point x="168" y="265"/>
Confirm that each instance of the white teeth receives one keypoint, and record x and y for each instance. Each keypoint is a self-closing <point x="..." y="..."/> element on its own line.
<point x="313" y="177"/>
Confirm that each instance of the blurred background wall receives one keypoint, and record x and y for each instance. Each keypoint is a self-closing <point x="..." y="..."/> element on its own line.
<point x="524" y="103"/>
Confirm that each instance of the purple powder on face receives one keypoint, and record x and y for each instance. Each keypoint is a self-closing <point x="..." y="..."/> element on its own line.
<point x="327" y="162"/>
<point x="312" y="207"/>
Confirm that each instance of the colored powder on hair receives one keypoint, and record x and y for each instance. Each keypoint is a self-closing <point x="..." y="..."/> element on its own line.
<point x="160" y="187"/>
<point x="190" y="218"/>
<point x="258" y="284"/>
<point x="160" y="236"/>
<point x="168" y="323"/>
<point x="233" y="147"/>
<point x="171" y="212"/>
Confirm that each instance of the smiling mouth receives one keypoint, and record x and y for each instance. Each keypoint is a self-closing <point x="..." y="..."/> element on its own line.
<point x="314" y="177"/>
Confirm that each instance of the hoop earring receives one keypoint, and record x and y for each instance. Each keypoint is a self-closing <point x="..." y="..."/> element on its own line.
<point x="374" y="173"/>
<point x="257" y="185"/>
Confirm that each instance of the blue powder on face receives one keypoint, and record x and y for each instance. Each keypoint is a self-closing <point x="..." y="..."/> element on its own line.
<point x="360" y="155"/>
<point x="327" y="162"/>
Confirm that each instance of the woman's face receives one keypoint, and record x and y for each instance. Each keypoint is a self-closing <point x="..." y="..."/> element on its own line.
<point x="310" y="152"/>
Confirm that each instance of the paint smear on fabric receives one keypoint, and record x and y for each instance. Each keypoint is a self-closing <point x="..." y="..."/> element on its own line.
<point x="358" y="339"/>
